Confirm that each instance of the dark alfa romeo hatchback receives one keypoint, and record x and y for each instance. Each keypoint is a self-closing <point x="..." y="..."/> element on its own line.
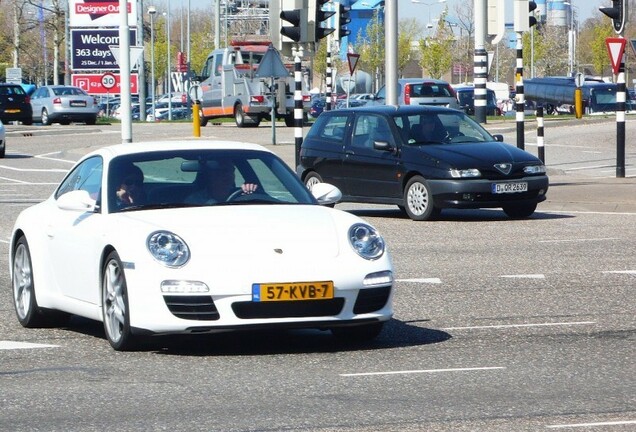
<point x="422" y="159"/>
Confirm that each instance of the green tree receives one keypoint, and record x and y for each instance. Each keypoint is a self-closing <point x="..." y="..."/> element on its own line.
<point x="409" y="30"/>
<point x="371" y="48"/>
<point x="599" y="58"/>
<point x="320" y="65"/>
<point x="436" y="54"/>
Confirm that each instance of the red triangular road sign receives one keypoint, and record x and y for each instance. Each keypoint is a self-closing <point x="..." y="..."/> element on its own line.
<point x="353" y="61"/>
<point x="616" y="49"/>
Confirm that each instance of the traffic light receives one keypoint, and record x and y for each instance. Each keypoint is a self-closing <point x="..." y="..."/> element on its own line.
<point x="320" y="16"/>
<point x="524" y="15"/>
<point x="295" y="18"/>
<point x="618" y="13"/>
<point x="342" y="19"/>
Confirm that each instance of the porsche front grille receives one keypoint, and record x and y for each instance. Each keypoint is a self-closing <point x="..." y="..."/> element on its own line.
<point x="199" y="308"/>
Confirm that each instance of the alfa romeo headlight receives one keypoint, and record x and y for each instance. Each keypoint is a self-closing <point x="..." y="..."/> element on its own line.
<point x="534" y="169"/>
<point x="366" y="241"/>
<point x="465" y="173"/>
<point x="168" y="248"/>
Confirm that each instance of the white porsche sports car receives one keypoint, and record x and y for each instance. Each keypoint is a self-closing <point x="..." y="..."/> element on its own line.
<point x="148" y="239"/>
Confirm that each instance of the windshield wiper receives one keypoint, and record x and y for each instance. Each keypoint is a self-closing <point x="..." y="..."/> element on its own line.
<point x="156" y="206"/>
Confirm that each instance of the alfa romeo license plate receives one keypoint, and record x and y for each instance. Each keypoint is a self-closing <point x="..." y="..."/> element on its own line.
<point x="513" y="187"/>
<point x="292" y="291"/>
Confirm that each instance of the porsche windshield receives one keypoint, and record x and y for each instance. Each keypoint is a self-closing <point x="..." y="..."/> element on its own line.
<point x="202" y="177"/>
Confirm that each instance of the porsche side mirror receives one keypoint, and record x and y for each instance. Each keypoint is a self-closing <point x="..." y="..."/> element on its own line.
<point x="326" y="193"/>
<point x="77" y="200"/>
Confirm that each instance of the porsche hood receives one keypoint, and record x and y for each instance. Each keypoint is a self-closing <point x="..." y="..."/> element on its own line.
<point x="244" y="230"/>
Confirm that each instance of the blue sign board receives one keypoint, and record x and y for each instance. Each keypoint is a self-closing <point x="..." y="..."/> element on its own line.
<point x="90" y="49"/>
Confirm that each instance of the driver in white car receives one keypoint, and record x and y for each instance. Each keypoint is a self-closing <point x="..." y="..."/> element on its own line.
<point x="218" y="184"/>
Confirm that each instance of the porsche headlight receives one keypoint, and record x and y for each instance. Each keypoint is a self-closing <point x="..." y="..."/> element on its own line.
<point x="465" y="173"/>
<point x="168" y="248"/>
<point x="366" y="241"/>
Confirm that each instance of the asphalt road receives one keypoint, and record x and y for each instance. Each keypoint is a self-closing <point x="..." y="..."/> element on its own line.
<point x="500" y="325"/>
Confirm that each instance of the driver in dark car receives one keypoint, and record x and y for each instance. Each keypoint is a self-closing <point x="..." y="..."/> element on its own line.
<point x="429" y="130"/>
<point x="218" y="184"/>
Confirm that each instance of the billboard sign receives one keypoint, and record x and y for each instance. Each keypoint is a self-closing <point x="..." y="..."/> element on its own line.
<point x="91" y="49"/>
<point x="103" y="84"/>
<point x="99" y="13"/>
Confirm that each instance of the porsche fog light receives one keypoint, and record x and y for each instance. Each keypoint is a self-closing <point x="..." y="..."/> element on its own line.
<point x="379" y="278"/>
<point x="465" y="173"/>
<point x="185" y="287"/>
<point x="366" y="241"/>
<point x="168" y="248"/>
<point x="534" y="169"/>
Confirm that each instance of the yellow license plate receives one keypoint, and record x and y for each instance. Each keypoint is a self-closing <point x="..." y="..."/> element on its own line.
<point x="292" y="291"/>
<point x="12" y="111"/>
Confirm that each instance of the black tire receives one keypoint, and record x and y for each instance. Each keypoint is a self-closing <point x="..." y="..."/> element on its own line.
<point x="203" y="121"/>
<point x="29" y="314"/>
<point x="91" y="121"/>
<point x="27" y="122"/>
<point x="311" y="179"/>
<point x="418" y="200"/>
<point x="239" y="116"/>
<point x="361" y="333"/>
<point x="45" y="117"/>
<point x="115" y="307"/>
<point x="519" y="211"/>
<point x="289" y="120"/>
<point x="2" y="152"/>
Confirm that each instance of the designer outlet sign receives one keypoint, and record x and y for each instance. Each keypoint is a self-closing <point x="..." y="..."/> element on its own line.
<point x="95" y="13"/>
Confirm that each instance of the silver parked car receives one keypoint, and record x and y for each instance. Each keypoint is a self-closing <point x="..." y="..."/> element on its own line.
<point x="422" y="91"/>
<point x="63" y="104"/>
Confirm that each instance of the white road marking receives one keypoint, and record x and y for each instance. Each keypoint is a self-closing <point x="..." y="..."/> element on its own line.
<point x="524" y="276"/>
<point x="587" y="167"/>
<point x="579" y="240"/>
<point x="421" y="280"/>
<point x="4" y="241"/>
<point x="13" y="180"/>
<point x="47" y="157"/>
<point x="404" y="372"/>
<point x="586" y="425"/>
<point x="502" y="326"/>
<point x="587" y="212"/>
<point x="33" y="169"/>
<point x="621" y="272"/>
<point x="7" y="345"/>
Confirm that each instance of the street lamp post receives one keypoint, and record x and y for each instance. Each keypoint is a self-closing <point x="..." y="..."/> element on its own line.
<point x="169" y="71"/>
<point x="572" y="36"/>
<point x="429" y="24"/>
<point x="152" y="12"/>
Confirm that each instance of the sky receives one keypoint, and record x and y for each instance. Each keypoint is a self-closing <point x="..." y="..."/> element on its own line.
<point x="584" y="8"/>
<point x="405" y="8"/>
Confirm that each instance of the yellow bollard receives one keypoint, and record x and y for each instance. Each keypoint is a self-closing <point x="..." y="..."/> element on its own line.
<point x="196" y="120"/>
<point x="578" y="103"/>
